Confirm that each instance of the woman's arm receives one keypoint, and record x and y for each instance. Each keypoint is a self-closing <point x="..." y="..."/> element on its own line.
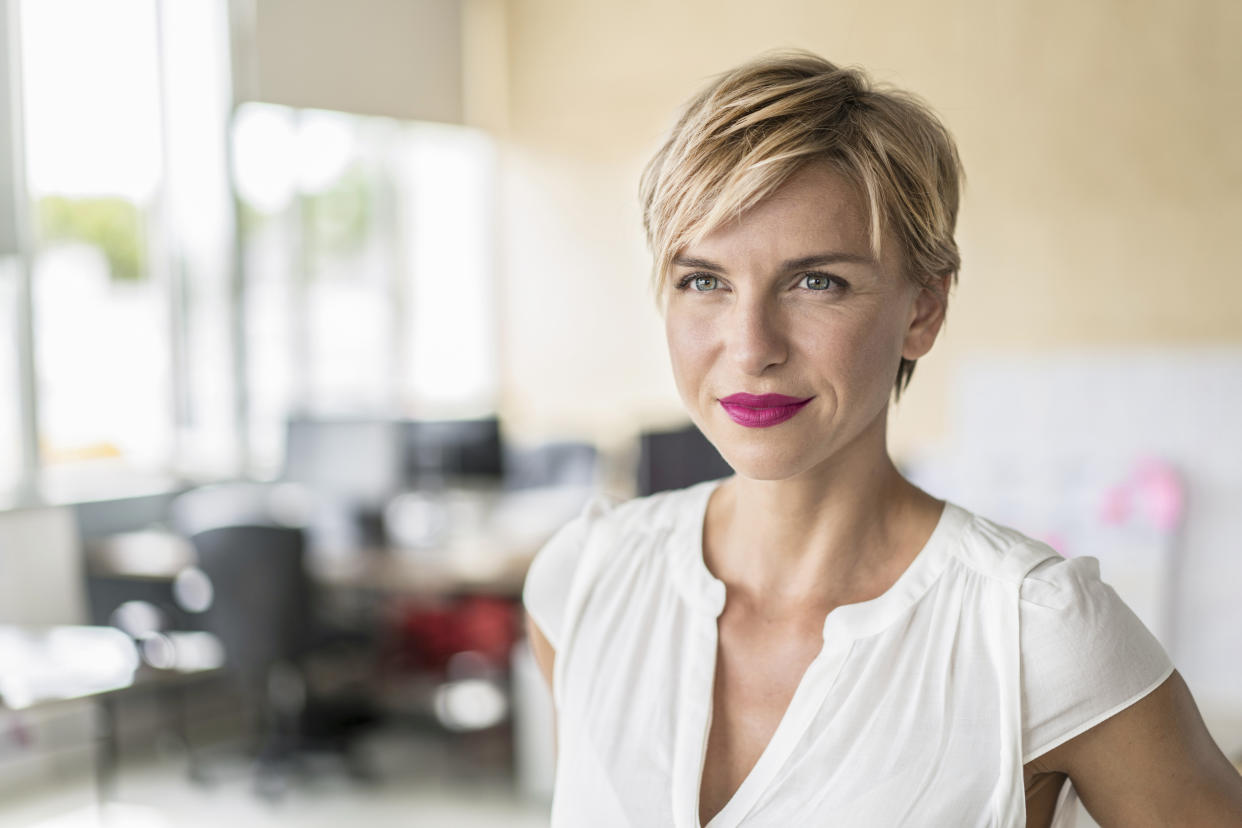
<point x="1153" y="763"/>
<point x="545" y="657"/>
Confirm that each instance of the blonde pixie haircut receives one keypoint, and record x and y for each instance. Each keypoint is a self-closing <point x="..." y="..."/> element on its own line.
<point x="752" y="128"/>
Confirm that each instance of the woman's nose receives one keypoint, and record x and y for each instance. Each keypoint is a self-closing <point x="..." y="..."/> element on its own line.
<point x="756" y="336"/>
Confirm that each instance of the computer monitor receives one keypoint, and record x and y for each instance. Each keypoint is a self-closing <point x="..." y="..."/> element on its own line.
<point x="353" y="459"/>
<point x="676" y="459"/>
<point x="440" y="450"/>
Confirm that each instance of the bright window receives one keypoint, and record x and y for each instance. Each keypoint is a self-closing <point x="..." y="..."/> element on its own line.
<point x="125" y="123"/>
<point x="10" y="385"/>
<point x="94" y="162"/>
<point x="368" y="266"/>
<point x="365" y="284"/>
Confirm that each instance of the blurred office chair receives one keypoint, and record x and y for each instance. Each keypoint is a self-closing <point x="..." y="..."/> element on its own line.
<point x="676" y="459"/>
<point x="262" y="611"/>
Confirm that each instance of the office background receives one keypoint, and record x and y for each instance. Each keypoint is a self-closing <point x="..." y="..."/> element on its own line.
<point x="224" y="218"/>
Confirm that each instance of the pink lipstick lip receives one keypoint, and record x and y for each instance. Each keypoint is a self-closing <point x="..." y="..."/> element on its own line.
<point x="763" y="400"/>
<point x="762" y="417"/>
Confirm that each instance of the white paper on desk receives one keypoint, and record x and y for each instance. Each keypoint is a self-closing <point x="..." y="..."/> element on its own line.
<point x="44" y="663"/>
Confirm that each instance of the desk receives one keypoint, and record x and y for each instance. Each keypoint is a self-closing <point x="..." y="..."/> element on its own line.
<point x="453" y="541"/>
<point x="457" y="540"/>
<point x="42" y="666"/>
<point x="466" y="545"/>
<point x="45" y="663"/>
<point x="486" y="569"/>
<point x="491" y="569"/>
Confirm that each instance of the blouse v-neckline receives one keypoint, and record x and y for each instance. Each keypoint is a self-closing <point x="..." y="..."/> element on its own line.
<point x="705" y="594"/>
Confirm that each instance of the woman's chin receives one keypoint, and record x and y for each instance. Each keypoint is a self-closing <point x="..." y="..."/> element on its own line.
<point x="765" y="464"/>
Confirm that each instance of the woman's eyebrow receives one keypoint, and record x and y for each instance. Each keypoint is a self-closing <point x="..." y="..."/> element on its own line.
<point x="817" y="260"/>
<point x="697" y="264"/>
<point x="821" y="259"/>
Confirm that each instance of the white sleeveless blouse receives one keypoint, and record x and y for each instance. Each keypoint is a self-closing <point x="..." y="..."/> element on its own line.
<point x="920" y="710"/>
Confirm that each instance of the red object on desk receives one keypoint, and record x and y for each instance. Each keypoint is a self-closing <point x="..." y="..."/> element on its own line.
<point x="427" y="634"/>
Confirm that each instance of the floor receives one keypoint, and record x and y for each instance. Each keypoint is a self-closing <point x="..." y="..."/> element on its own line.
<point x="417" y="782"/>
<point x="416" y="787"/>
<point x="157" y="794"/>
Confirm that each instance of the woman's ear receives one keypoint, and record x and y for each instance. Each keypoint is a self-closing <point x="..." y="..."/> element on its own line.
<point x="927" y="315"/>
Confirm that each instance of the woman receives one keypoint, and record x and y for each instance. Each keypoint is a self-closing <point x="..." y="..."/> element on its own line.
<point x="814" y="640"/>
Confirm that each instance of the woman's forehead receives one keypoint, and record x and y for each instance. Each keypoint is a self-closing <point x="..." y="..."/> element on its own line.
<point x="816" y="211"/>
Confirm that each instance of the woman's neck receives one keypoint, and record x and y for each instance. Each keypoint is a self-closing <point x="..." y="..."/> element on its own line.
<point x="817" y="540"/>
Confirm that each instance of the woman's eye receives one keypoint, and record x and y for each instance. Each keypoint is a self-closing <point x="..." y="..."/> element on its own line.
<point x="702" y="282"/>
<point x="819" y="281"/>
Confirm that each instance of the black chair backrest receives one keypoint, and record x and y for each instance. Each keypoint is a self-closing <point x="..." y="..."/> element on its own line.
<point x="261" y="603"/>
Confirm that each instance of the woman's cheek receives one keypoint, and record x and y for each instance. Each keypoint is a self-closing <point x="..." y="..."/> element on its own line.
<point x="877" y="350"/>
<point x="689" y="344"/>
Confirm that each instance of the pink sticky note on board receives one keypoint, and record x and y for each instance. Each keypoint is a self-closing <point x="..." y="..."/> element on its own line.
<point x="1057" y="541"/>
<point x="1115" y="505"/>
<point x="1161" y="493"/>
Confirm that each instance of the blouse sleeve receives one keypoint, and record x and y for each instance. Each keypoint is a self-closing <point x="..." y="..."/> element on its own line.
<point x="551" y="573"/>
<point x="1084" y="654"/>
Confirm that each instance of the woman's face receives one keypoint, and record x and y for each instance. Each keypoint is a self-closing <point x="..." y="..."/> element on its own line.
<point x="789" y="300"/>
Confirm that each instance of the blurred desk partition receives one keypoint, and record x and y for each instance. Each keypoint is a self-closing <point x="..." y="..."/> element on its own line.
<point x="41" y="574"/>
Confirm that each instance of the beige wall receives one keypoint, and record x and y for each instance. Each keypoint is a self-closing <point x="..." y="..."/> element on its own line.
<point x="1100" y="140"/>
<point x="394" y="58"/>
